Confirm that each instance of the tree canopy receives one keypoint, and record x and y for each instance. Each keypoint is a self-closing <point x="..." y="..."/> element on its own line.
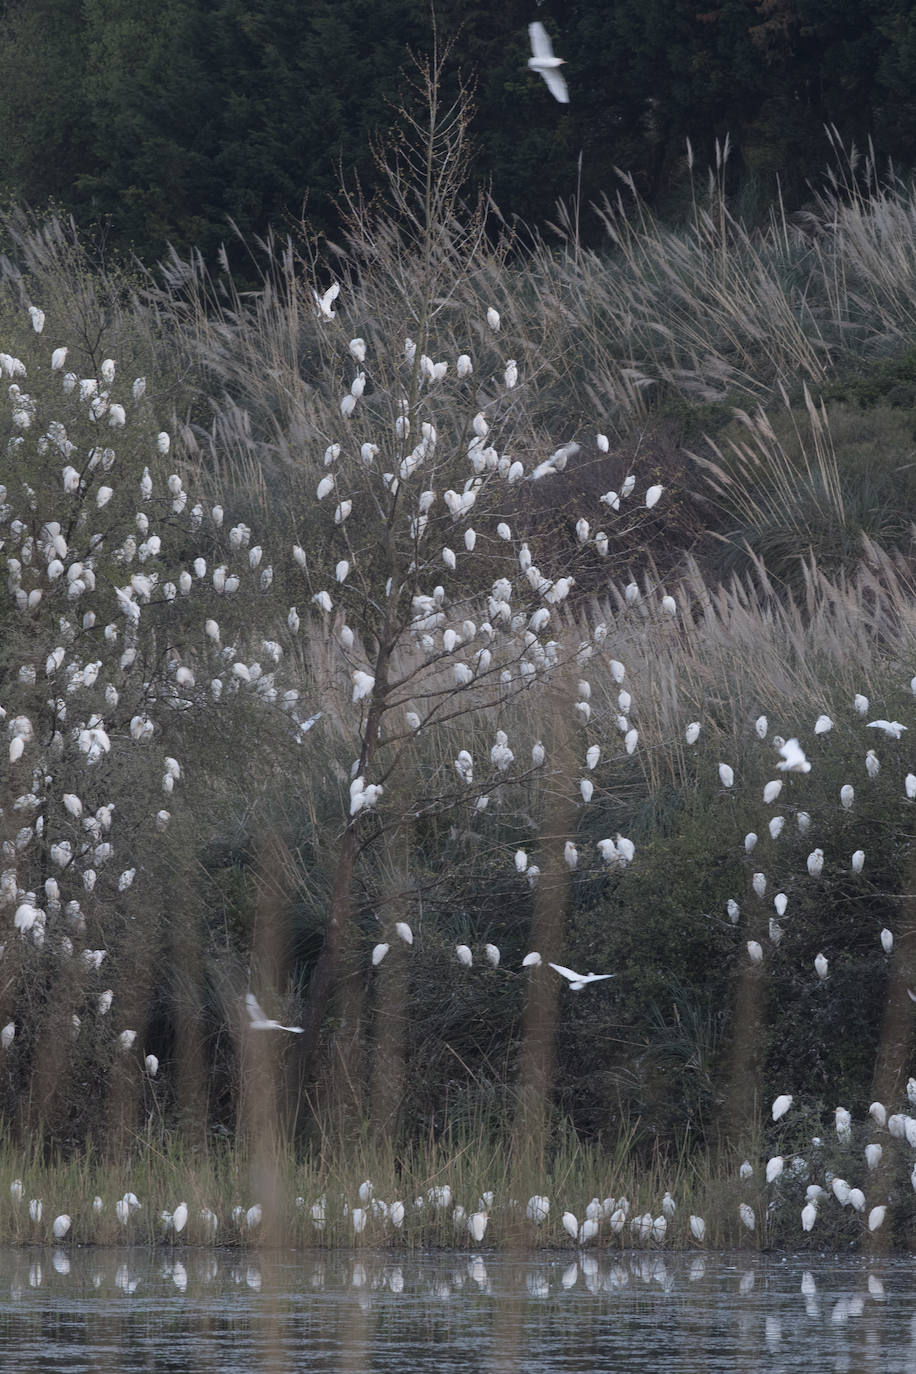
<point x="168" y="122"/>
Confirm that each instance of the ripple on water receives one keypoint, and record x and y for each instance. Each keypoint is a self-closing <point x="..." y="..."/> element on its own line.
<point x="64" y="1311"/>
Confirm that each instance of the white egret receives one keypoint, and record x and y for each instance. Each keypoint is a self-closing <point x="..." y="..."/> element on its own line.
<point x="692" y="733"/>
<point x="872" y="764"/>
<point x="726" y="774"/>
<point x="571" y="1224"/>
<point x="588" y="1230"/>
<point x="759" y="884"/>
<point x="822" y="725"/>
<point x="858" y="861"/>
<point x="815" y="862"/>
<point x="477" y="1225"/>
<point x="873" y="1153"/>
<point x="771" y="791"/>
<point x="878" y="1113"/>
<point x="258" y="1021"/>
<point x="697" y="1228"/>
<point x="793" y="758"/>
<point x="325" y="301"/>
<point x="775" y="1167"/>
<point x="532" y="960"/>
<point x="808" y="1216"/>
<point x="538" y="1209"/>
<point x="876" y="1217"/>
<point x="893" y="728"/>
<point x="378" y="954"/>
<point x="577" y="981"/>
<point x="543" y="61"/>
<point x="755" y="951"/>
<point x="820" y="964"/>
<point x="60" y="1226"/>
<point x="464" y="955"/>
<point x="843" y="1124"/>
<point x="151" y="1064"/>
<point x="404" y="932"/>
<point x="847" y="796"/>
<point x="887" y="940"/>
<point x="781" y="1105"/>
<point x="746" y="1213"/>
<point x="491" y="953"/>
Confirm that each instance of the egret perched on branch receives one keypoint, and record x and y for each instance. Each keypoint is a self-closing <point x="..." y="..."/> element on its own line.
<point x="542" y="60"/>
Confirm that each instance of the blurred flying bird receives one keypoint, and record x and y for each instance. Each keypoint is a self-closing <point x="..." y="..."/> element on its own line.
<point x="259" y="1021"/>
<point x="542" y="60"/>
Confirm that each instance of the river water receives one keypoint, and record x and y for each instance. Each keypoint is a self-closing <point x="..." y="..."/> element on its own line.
<point x="70" y="1311"/>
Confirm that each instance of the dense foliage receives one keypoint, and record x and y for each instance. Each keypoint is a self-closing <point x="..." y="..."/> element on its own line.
<point x="169" y="121"/>
<point x="441" y="605"/>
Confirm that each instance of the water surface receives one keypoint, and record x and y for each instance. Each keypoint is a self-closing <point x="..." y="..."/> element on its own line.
<point x="66" y="1311"/>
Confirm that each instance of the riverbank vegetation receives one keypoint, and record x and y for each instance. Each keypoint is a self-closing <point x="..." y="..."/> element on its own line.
<point x="428" y="616"/>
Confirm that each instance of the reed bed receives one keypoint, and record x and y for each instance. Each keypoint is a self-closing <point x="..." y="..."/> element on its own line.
<point x="332" y="751"/>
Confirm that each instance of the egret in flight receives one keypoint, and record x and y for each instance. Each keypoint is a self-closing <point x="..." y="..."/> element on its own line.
<point x="542" y="60"/>
<point x="577" y="981"/>
<point x="259" y="1021"/>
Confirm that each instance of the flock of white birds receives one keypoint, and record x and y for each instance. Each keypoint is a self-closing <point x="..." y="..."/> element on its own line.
<point x="614" y="1218"/>
<point x="98" y="635"/>
<point x="95" y="696"/>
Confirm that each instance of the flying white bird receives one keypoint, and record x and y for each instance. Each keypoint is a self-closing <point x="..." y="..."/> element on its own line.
<point x="325" y="301"/>
<point x="261" y="1022"/>
<point x="542" y="60"/>
<point x="577" y="981"/>
<point x="793" y="758"/>
<point x="890" y="727"/>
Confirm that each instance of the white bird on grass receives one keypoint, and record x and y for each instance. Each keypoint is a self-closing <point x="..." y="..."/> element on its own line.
<point x="577" y="981"/>
<point x="258" y="1021"/>
<point x="542" y="60"/>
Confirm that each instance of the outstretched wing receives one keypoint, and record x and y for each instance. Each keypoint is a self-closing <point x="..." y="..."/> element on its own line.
<point x="540" y="42"/>
<point x="596" y="977"/>
<point x="253" y="1007"/>
<point x="556" y="85"/>
<point x="567" y="973"/>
